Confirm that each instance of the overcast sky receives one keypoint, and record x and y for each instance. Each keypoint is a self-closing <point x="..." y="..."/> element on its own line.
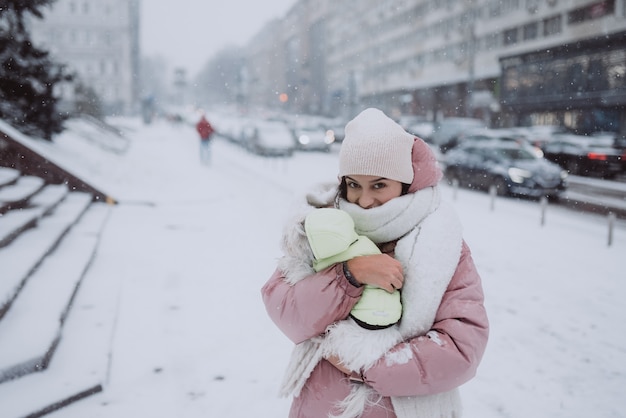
<point x="189" y="32"/>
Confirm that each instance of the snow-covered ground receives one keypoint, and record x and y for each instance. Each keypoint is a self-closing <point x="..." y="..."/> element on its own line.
<point x="190" y="247"/>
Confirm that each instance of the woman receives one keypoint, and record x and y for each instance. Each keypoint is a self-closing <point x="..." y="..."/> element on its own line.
<point x="388" y="184"/>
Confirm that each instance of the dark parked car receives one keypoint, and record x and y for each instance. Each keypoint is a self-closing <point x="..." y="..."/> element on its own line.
<point x="586" y="156"/>
<point x="512" y="168"/>
<point x="485" y="134"/>
<point x="620" y="142"/>
<point x="449" y="128"/>
<point x="423" y="130"/>
<point x="419" y="126"/>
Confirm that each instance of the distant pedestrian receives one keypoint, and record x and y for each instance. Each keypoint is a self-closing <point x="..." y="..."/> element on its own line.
<point x="205" y="130"/>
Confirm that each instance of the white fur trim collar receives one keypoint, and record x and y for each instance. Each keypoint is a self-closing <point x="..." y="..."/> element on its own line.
<point x="429" y="246"/>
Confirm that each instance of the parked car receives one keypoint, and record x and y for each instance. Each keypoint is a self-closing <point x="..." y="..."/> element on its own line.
<point x="486" y="134"/>
<point x="312" y="137"/>
<point x="539" y="135"/>
<point x="338" y="129"/>
<point x="269" y="138"/>
<point x="586" y="156"/>
<point x="512" y="168"/>
<point x="407" y="120"/>
<point x="423" y="129"/>
<point x="449" y="128"/>
<point x="619" y="141"/>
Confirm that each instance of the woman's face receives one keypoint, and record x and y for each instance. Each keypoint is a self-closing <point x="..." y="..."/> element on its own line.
<point x="371" y="191"/>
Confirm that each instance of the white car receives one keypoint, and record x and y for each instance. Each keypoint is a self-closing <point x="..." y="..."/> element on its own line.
<point x="314" y="138"/>
<point x="268" y="138"/>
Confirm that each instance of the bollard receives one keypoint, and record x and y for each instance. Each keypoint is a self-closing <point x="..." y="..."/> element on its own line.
<point x="455" y="188"/>
<point x="611" y="226"/>
<point x="543" y="202"/>
<point x="492" y="194"/>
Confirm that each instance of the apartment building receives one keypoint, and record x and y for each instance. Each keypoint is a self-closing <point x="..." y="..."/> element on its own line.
<point x="441" y="58"/>
<point x="286" y="60"/>
<point x="99" y="41"/>
<point x="263" y="77"/>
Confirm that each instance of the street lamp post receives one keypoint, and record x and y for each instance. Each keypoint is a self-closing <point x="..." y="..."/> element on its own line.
<point x="469" y="94"/>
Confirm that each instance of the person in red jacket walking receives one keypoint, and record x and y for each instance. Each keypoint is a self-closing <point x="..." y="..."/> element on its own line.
<point x="205" y="130"/>
<point x="388" y="184"/>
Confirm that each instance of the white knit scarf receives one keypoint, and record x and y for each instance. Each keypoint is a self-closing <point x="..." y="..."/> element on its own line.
<point x="429" y="246"/>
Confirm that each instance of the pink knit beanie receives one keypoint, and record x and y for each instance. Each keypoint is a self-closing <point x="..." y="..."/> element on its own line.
<point x="375" y="145"/>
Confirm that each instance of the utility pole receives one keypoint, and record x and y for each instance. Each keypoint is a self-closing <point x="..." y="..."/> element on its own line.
<point x="469" y="94"/>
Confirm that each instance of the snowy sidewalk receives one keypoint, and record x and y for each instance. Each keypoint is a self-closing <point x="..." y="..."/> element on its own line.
<point x="192" y="246"/>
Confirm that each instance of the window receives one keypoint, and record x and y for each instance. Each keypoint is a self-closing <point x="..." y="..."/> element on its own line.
<point x="552" y="25"/>
<point x="495" y="8"/>
<point x="492" y="41"/>
<point x="530" y="31"/>
<point x="591" y="12"/>
<point x="510" y="37"/>
<point x="509" y="6"/>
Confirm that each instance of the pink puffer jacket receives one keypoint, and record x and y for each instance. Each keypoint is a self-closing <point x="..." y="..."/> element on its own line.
<point x="441" y="363"/>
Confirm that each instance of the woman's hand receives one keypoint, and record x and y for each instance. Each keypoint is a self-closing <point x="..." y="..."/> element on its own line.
<point x="380" y="270"/>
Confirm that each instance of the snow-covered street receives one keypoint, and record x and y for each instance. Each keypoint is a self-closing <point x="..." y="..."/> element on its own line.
<point x="189" y="247"/>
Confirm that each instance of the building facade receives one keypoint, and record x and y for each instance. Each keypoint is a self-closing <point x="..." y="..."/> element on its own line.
<point x="99" y="41"/>
<point x="440" y="58"/>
